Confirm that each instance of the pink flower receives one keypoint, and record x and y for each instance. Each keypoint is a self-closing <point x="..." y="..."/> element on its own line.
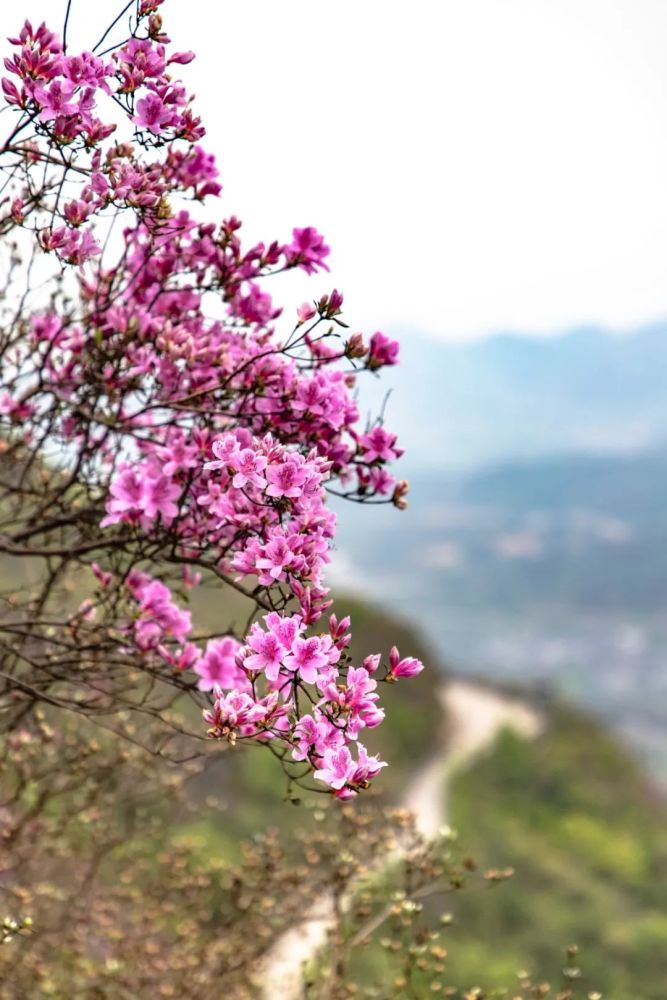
<point x="126" y="497"/>
<point x="285" y="629"/>
<point x="379" y="445"/>
<point x="153" y="114"/>
<point x="15" y="410"/>
<point x="147" y="6"/>
<point x="231" y="712"/>
<point x="190" y="578"/>
<point x="371" y="663"/>
<point x="311" y="396"/>
<point x="254" y="307"/>
<point x="157" y="497"/>
<point x="218" y="666"/>
<point x="305" y="312"/>
<point x="306" y="658"/>
<point x="307" y="250"/>
<point x="77" y="212"/>
<point x="360" y="687"/>
<point x="55" y="99"/>
<point x="339" y="631"/>
<point x="381" y="481"/>
<point x="314" y="735"/>
<point x="382" y="351"/>
<point x="330" y="305"/>
<point x="341" y="773"/>
<point x="225" y="450"/>
<point x="17" y="211"/>
<point x="307" y="735"/>
<point x="12" y="94"/>
<point x="367" y="767"/>
<point x="277" y="555"/>
<point x="101" y="576"/>
<point x="268" y="654"/>
<point x="249" y="467"/>
<point x="337" y="767"/>
<point x="182" y="57"/>
<point x="158" y="611"/>
<point x="180" y="659"/>
<point x="409" y="666"/>
<point x="79" y="246"/>
<point x="138" y="60"/>
<point x="285" y="479"/>
<point x="357" y="698"/>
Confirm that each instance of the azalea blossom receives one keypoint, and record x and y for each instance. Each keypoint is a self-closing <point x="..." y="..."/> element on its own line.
<point x="308" y="249"/>
<point x="382" y="351"/>
<point x="218" y="666"/>
<point x="306" y="658"/>
<point x="268" y="652"/>
<point x="409" y="666"/>
<point x="379" y="445"/>
<point x="285" y="479"/>
<point x="158" y="496"/>
<point x="203" y="427"/>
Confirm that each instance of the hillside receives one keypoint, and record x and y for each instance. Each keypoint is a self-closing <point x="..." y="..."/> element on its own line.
<point x="577" y="818"/>
<point x="571" y="812"/>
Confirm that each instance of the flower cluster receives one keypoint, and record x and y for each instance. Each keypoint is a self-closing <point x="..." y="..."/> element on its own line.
<point x="158" y="617"/>
<point x="262" y="687"/>
<point x="279" y="671"/>
<point x="204" y="434"/>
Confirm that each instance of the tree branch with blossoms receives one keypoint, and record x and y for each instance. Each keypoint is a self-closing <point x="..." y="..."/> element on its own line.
<point x="160" y="429"/>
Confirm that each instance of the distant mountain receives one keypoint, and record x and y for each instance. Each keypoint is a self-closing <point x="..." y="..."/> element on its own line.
<point x="461" y="406"/>
<point x="533" y="548"/>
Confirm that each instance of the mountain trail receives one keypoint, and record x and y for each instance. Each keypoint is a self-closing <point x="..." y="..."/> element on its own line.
<point x="473" y="716"/>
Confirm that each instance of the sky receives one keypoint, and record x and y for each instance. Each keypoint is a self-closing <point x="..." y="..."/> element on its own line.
<point x="475" y="165"/>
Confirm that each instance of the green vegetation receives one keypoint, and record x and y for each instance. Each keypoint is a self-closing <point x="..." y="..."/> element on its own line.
<point x="573" y="814"/>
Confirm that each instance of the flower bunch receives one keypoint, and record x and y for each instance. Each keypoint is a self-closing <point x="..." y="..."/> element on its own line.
<point x="282" y="684"/>
<point x="192" y="426"/>
<point x="280" y="672"/>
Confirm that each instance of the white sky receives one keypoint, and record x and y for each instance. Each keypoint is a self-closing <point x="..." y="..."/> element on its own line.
<point x="476" y="165"/>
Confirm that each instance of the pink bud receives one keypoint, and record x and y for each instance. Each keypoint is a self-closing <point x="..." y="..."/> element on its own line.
<point x="371" y="663"/>
<point x="305" y="312"/>
<point x="409" y="666"/>
<point x="101" y="575"/>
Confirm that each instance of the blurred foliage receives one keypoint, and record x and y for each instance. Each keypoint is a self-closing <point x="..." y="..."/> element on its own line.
<point x="574" y="813"/>
<point x="108" y="898"/>
<point x="104" y="895"/>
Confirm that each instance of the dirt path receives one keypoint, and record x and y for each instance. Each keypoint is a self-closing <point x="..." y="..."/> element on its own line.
<point x="474" y="715"/>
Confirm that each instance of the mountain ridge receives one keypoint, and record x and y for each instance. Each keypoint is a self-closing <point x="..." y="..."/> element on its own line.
<point x="460" y="406"/>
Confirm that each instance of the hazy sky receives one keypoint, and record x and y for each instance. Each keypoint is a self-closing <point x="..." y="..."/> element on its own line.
<point x="476" y="165"/>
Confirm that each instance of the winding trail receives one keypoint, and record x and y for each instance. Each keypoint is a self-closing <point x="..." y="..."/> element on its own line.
<point x="473" y="716"/>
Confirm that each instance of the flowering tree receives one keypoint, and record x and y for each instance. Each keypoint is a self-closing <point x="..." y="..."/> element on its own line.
<point x="162" y="429"/>
<point x="162" y="425"/>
